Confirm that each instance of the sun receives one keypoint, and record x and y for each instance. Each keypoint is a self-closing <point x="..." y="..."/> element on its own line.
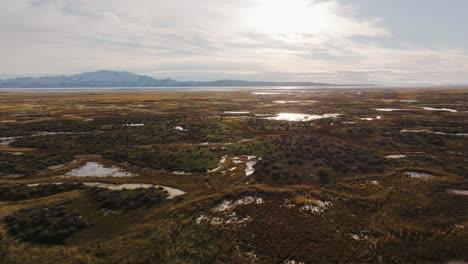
<point x="289" y="18"/>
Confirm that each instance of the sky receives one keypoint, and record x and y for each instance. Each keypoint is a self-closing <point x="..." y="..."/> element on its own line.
<point x="388" y="42"/>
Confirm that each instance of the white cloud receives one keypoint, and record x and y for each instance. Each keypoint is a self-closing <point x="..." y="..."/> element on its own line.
<point x="212" y="39"/>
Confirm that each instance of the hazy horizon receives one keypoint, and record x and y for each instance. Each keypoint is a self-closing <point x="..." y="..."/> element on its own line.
<point x="326" y="41"/>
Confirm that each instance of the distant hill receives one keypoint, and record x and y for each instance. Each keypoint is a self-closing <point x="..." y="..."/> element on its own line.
<point x="128" y="79"/>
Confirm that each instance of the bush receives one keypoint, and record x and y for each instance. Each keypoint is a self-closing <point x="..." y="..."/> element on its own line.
<point x="45" y="225"/>
<point x="128" y="199"/>
<point x="23" y="192"/>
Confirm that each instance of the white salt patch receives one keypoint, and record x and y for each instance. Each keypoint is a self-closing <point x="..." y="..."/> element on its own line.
<point x="230" y="218"/>
<point x="360" y="236"/>
<point x="139" y="106"/>
<point x="89" y="120"/>
<point x="220" y="164"/>
<point x="268" y="93"/>
<point x="252" y="256"/>
<point x="409" y="101"/>
<point x="285" y="102"/>
<point x="94" y="169"/>
<point x="374" y="182"/>
<point x="291" y="261"/>
<point x="424" y="108"/>
<point x="237" y="112"/>
<point x="288" y="204"/>
<point x="392" y="109"/>
<point x="55" y="133"/>
<point x="134" y="125"/>
<point x="51" y="183"/>
<point x="249" y="200"/>
<point x="432" y="132"/>
<point x="395" y="156"/>
<point x="282" y="88"/>
<point x="182" y="173"/>
<point x="318" y="207"/>
<point x="5" y="141"/>
<point x="56" y="167"/>
<point x="205" y="143"/>
<point x="201" y="218"/>
<point x="294" y="117"/>
<point x="223" y="214"/>
<point x="227" y="205"/>
<point x="250" y="164"/>
<point x="294" y="102"/>
<point x="419" y="175"/>
<point x="459" y="192"/>
<point x="440" y="109"/>
<point x="224" y="206"/>
<point x="179" y="128"/>
<point x="371" y="118"/>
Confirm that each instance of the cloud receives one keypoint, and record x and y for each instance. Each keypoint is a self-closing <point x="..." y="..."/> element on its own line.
<point x="211" y="39"/>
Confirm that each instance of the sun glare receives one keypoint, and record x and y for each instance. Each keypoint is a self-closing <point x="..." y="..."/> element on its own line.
<point x="289" y="18"/>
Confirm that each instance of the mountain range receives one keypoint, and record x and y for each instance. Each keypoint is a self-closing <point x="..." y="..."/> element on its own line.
<point x="127" y="79"/>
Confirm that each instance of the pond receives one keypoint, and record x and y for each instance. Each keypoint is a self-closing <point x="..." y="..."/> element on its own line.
<point x="458" y="192"/>
<point x="395" y="156"/>
<point x="419" y="174"/>
<point x="119" y="187"/>
<point x="371" y="118"/>
<point x="433" y="132"/>
<point x="296" y="117"/>
<point x="440" y="109"/>
<point x="236" y="112"/>
<point x="94" y="169"/>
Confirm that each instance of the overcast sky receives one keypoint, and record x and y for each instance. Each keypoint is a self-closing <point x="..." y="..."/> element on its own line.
<point x="348" y="41"/>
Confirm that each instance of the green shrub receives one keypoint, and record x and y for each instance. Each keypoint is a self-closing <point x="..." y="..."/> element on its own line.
<point x="23" y="192"/>
<point x="128" y="199"/>
<point x="45" y="225"/>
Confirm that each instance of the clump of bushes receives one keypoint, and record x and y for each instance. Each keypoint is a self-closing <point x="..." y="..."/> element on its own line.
<point x="50" y="225"/>
<point x="128" y="199"/>
<point x="318" y="155"/>
<point x="24" y="192"/>
<point x="31" y="162"/>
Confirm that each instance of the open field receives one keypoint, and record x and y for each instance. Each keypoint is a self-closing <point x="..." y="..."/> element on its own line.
<point x="264" y="176"/>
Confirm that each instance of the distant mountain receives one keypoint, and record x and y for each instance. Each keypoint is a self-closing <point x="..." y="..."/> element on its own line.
<point x="128" y="79"/>
<point x="88" y="79"/>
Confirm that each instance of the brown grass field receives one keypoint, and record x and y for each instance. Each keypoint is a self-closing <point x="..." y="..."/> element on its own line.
<point x="326" y="190"/>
